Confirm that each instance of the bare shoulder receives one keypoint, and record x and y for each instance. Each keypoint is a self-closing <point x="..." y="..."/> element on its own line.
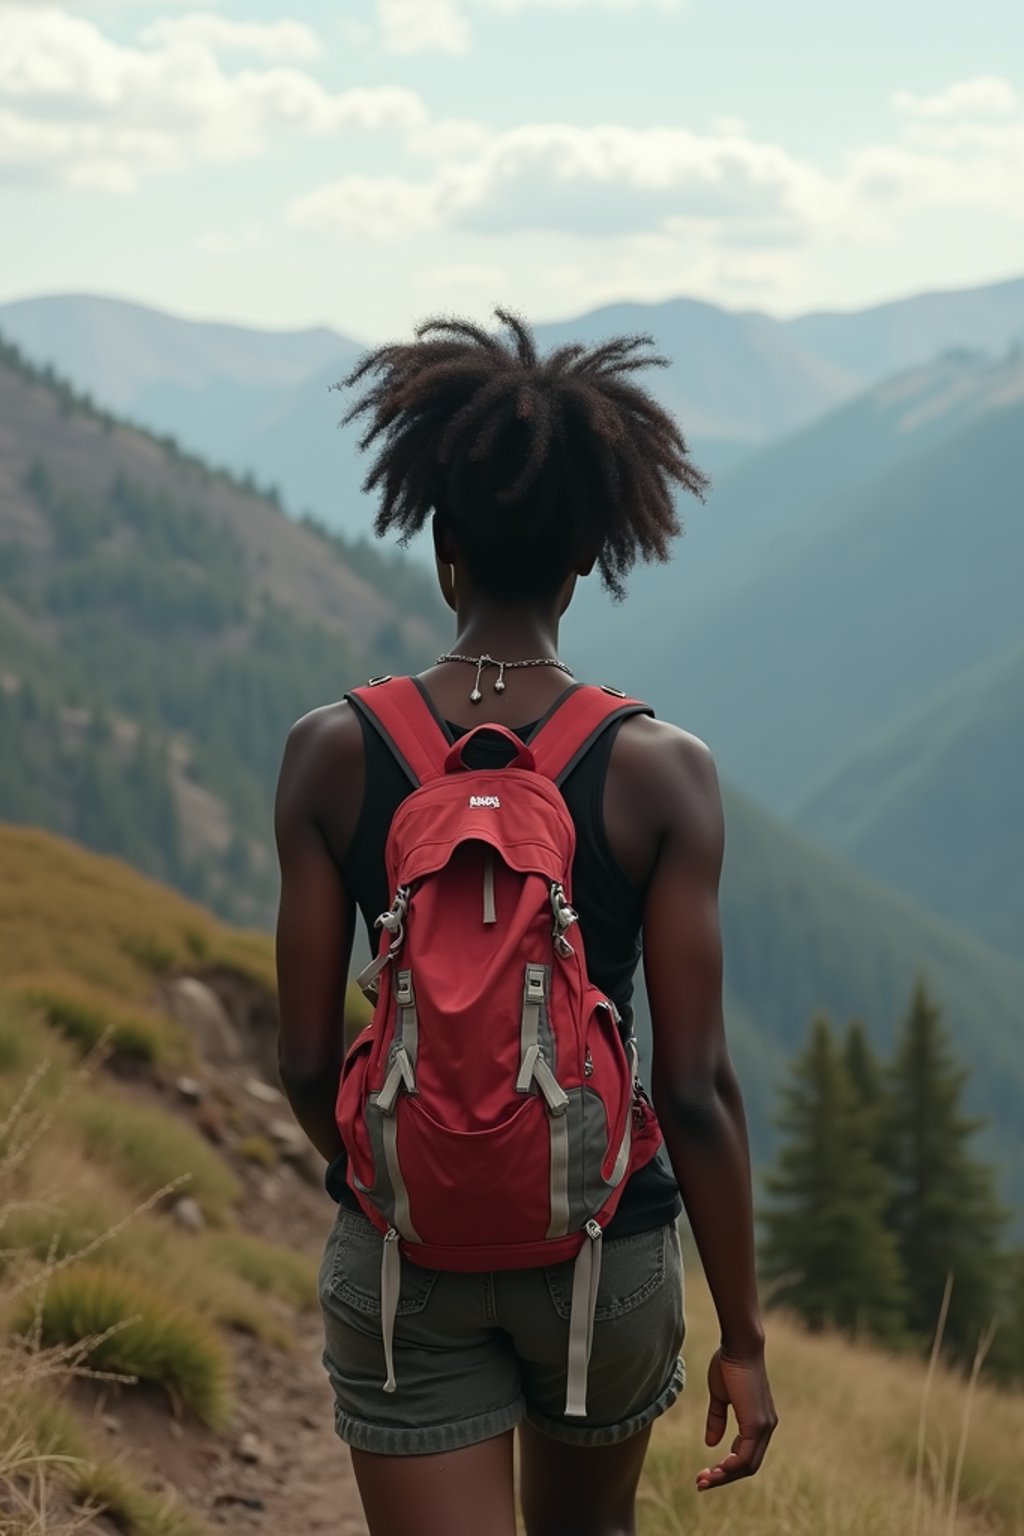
<point x="330" y="735"/>
<point x="662" y="761"/>
<point x="322" y="772"/>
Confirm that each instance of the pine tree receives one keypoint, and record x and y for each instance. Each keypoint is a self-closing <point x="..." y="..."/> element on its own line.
<point x="866" y="1075"/>
<point x="826" y="1247"/>
<point x="945" y="1210"/>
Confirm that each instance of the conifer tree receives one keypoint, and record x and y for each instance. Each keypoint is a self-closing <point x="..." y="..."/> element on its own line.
<point x="826" y="1246"/>
<point x="945" y="1210"/>
<point x="867" y="1078"/>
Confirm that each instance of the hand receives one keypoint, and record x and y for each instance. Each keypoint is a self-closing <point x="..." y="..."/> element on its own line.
<point x="744" y="1384"/>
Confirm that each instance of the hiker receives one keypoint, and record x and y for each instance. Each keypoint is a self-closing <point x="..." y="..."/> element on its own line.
<point x="502" y="1257"/>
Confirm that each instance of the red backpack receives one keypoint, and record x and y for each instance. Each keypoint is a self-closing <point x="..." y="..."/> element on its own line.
<point x="491" y="1110"/>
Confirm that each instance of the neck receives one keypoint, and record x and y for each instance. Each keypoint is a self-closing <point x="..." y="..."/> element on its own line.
<point x="507" y="634"/>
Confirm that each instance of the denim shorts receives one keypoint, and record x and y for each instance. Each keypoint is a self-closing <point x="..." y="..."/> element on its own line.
<point x="475" y="1354"/>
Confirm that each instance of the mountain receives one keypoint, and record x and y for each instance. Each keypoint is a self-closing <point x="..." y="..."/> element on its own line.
<point x="733" y="376"/>
<point x="125" y="353"/>
<point x="935" y="804"/>
<point x="798" y="620"/>
<point x="259" y="401"/>
<point x="889" y="338"/>
<point x="161" y="626"/>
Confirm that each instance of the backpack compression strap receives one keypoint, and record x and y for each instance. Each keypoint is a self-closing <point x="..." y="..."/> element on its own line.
<point x="569" y="733"/>
<point x="406" y="723"/>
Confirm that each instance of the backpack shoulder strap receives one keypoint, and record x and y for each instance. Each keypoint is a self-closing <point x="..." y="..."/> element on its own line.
<point x="405" y="722"/>
<point x="584" y="714"/>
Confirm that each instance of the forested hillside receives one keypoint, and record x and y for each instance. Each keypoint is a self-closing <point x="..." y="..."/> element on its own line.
<point x="935" y="804"/>
<point x="160" y="628"/>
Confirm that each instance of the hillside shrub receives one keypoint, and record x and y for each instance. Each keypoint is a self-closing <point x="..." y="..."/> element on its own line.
<point x="149" y="1149"/>
<point x="87" y="1014"/>
<point x="132" y="1329"/>
<point x="269" y="1267"/>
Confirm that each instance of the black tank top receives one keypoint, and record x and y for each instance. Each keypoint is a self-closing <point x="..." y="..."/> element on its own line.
<point x="610" y="909"/>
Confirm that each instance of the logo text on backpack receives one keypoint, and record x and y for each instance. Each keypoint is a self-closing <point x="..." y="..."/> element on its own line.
<point x="485" y="802"/>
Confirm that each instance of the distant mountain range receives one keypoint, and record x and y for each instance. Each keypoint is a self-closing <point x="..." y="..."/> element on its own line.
<point x="259" y="401"/>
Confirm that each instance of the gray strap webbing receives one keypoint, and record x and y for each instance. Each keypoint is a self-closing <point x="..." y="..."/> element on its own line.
<point x="366" y="981"/>
<point x="400" y="1075"/>
<point x="390" y="1285"/>
<point x="559" y="1190"/>
<point x="403" y="1215"/>
<point x="547" y="1082"/>
<point x="407" y="1031"/>
<point x="535" y="986"/>
<point x="490" y="910"/>
<point x="586" y="1275"/>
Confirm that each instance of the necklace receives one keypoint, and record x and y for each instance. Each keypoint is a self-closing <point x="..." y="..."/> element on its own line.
<point x="480" y="662"/>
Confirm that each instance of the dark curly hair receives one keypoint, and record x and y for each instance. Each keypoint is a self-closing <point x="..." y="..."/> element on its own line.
<point x="534" y="463"/>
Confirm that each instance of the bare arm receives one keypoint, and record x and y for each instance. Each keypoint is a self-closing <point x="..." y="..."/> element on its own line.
<point x="698" y="1099"/>
<point x="314" y="935"/>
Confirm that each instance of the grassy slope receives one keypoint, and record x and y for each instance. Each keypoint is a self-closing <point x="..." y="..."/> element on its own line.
<point x="935" y="805"/>
<point x="85" y="1150"/>
<point x="844" y="1458"/>
<point x="842" y="1463"/>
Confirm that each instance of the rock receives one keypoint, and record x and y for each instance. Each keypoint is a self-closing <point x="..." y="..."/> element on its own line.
<point x="189" y="1089"/>
<point x="200" y="1010"/>
<point x="266" y="1093"/>
<point x="250" y="1448"/>
<point x="188" y="1213"/>
<point x="111" y="1424"/>
<point x="246" y="1500"/>
<point x="270" y="1191"/>
<point x="176" y="1430"/>
<point x="288" y="1137"/>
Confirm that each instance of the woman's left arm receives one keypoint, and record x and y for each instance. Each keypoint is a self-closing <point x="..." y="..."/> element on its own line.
<point x="314" y="937"/>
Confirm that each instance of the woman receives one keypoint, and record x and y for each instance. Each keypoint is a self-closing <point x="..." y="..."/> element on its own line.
<point x="532" y="472"/>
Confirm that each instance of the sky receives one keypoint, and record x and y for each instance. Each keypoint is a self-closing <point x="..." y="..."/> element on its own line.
<point x="365" y="163"/>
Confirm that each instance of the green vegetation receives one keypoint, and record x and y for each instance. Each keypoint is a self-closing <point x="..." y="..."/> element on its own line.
<point x="806" y="933"/>
<point x="934" y="804"/>
<point x="88" y="1015"/>
<point x="828" y="1253"/>
<point x="129" y="1329"/>
<point x="148" y="1151"/>
<point x="877" y="1197"/>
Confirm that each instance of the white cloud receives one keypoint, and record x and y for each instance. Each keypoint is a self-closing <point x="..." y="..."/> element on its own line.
<point x="275" y="40"/>
<point x="422" y="26"/>
<point x="983" y="96"/>
<point x="442" y="26"/>
<point x="600" y="181"/>
<point x="83" y="110"/>
<point x="614" y="182"/>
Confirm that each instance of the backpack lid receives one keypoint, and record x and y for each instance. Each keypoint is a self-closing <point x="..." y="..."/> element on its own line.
<point x="404" y="716"/>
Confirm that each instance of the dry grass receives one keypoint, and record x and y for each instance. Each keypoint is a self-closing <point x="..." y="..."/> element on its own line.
<point x="129" y="1329"/>
<point x="844" y="1459"/>
<point x="63" y="909"/>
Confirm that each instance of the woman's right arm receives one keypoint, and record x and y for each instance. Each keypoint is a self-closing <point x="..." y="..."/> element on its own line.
<point x="697" y="1096"/>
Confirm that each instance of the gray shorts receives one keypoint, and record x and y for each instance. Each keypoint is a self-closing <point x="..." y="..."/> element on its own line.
<point x="476" y="1354"/>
